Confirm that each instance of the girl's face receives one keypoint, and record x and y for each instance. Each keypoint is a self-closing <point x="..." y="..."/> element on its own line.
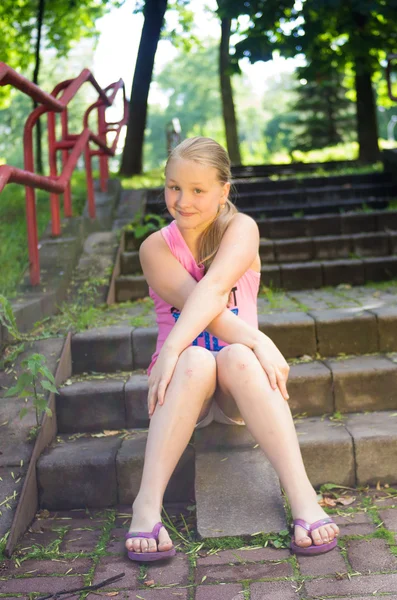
<point x="193" y="193"/>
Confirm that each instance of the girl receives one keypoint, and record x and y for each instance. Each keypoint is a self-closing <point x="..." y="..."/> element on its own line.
<point x="211" y="361"/>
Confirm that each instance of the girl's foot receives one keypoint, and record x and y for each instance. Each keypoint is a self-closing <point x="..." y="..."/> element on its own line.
<point x="311" y="513"/>
<point x="145" y="522"/>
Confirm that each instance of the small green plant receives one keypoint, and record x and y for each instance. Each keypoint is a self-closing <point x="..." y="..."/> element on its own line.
<point x="392" y="205"/>
<point x="142" y="226"/>
<point x="298" y="213"/>
<point x="29" y="384"/>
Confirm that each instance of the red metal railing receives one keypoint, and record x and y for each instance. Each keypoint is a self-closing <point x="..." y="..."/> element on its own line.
<point x="70" y="145"/>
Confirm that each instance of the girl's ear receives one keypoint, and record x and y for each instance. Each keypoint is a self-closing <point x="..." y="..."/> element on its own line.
<point x="226" y="190"/>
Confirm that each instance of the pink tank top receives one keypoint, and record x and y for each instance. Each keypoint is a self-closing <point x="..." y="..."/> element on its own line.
<point x="242" y="300"/>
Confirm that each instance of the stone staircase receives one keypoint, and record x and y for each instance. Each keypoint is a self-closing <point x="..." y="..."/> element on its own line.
<point x="342" y="385"/>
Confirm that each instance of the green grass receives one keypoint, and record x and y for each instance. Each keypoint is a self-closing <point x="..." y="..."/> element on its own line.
<point x="14" y="258"/>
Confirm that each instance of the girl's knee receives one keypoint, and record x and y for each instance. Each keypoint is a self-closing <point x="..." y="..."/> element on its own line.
<point x="235" y="356"/>
<point x="196" y="359"/>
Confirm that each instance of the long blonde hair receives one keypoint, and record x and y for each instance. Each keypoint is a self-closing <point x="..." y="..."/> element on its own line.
<point x="208" y="152"/>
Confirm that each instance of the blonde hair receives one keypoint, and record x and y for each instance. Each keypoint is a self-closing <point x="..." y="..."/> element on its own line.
<point x="207" y="151"/>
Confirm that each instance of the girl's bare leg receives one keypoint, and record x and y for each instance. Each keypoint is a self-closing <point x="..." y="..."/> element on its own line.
<point x="244" y="390"/>
<point x="186" y="401"/>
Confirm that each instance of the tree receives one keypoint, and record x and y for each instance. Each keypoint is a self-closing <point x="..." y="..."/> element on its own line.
<point x="323" y="112"/>
<point x="353" y="32"/>
<point x="29" y="26"/>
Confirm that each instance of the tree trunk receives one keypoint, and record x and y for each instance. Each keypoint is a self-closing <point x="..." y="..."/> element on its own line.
<point x="229" y="115"/>
<point x="40" y="18"/>
<point x="367" y="125"/>
<point x="131" y="163"/>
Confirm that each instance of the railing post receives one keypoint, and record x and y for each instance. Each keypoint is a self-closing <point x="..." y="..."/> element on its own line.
<point x="52" y="159"/>
<point x="67" y="197"/>
<point x="90" y="183"/>
<point x="103" y="158"/>
<point x="34" y="261"/>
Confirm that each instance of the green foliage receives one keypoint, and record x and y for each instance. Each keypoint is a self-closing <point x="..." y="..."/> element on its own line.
<point x="29" y="384"/>
<point x="142" y="226"/>
<point x="64" y="23"/>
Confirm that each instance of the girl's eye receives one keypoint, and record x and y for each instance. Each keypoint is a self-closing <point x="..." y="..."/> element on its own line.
<point x="172" y="187"/>
<point x="198" y="190"/>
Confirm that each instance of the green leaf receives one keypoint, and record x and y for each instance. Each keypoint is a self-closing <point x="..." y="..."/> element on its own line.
<point x="23" y="412"/>
<point x="47" y="385"/>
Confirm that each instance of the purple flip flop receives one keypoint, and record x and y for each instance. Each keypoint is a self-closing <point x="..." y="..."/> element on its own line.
<point x="313" y="549"/>
<point x="149" y="556"/>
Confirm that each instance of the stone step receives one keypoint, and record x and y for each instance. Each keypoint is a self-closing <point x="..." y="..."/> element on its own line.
<point x="316" y="387"/>
<point x="378" y="243"/>
<point x="88" y="471"/>
<point x="309" y="200"/>
<point x="314" y="208"/>
<point x="291" y="169"/>
<point x="245" y="185"/>
<point x="326" y="332"/>
<point x="294" y="185"/>
<point x="303" y="275"/>
<point x="78" y="471"/>
<point x="316" y="225"/>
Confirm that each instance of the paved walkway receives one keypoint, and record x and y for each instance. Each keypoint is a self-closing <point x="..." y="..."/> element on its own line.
<point x="66" y="550"/>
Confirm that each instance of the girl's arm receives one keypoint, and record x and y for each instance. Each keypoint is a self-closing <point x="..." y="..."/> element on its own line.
<point x="203" y="303"/>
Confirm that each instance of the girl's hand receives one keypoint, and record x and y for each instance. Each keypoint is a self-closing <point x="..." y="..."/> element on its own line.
<point x="273" y="363"/>
<point x="160" y="377"/>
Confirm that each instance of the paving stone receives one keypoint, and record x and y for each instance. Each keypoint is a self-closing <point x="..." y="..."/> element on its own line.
<point x="266" y="251"/>
<point x="371" y="244"/>
<point x="150" y="594"/>
<point x="136" y="408"/>
<point x="299" y="276"/>
<point x="228" y="573"/>
<point x="229" y="591"/>
<point x="116" y="543"/>
<point x="389" y="517"/>
<point x="380" y="268"/>
<point x="34" y="567"/>
<point x="109" y="566"/>
<point x="327" y="224"/>
<point x="256" y="489"/>
<point x="91" y="406"/>
<point x="285" y="227"/>
<point x="270" y="276"/>
<point x="357" y="523"/>
<point x="369" y="584"/>
<point x="43" y="539"/>
<point x="169" y="573"/>
<point x="297" y="249"/>
<point x="332" y="246"/>
<point x="129" y="466"/>
<point x="322" y="564"/>
<point x="224" y="557"/>
<point x="339" y="271"/>
<point x="80" y="540"/>
<point x="130" y="262"/>
<point x="366" y="556"/>
<point x="310" y="388"/>
<point x="273" y="590"/>
<point x="357" y="222"/>
<point x="292" y="332"/>
<point x="375" y="443"/>
<point x="327" y="451"/>
<point x="78" y="473"/>
<point x="143" y="346"/>
<point x="341" y="331"/>
<point x="105" y="349"/>
<point x="131" y="287"/>
<point x="386" y="317"/>
<point x="364" y="383"/>
<point x="40" y="584"/>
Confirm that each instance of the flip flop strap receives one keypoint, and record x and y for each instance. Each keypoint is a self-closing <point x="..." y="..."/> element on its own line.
<point x="153" y="534"/>
<point x="314" y="525"/>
